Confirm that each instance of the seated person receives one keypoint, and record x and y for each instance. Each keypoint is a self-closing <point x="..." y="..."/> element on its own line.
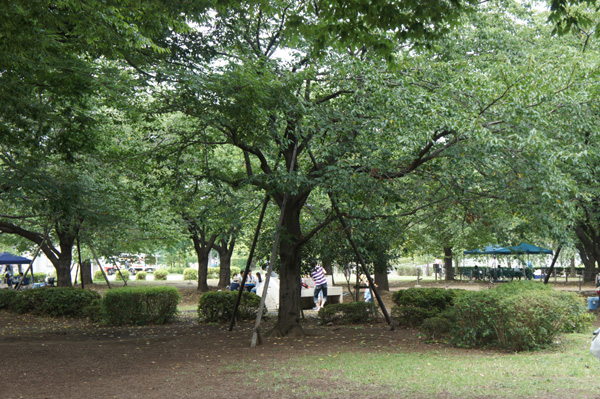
<point x="235" y="284"/>
<point x="250" y="282"/>
<point x="24" y="280"/>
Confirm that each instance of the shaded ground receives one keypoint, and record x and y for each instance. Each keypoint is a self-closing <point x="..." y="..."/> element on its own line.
<point x="63" y="358"/>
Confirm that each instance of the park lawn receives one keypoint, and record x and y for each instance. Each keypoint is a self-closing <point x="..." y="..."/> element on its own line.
<point x="566" y="371"/>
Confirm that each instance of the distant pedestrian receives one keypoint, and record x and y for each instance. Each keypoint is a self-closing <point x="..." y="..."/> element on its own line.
<point x="318" y="275"/>
<point x="8" y="276"/>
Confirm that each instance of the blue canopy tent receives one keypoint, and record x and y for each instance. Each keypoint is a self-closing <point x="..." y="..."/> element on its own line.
<point x="489" y="250"/>
<point x="7" y="258"/>
<point x="524" y="248"/>
<point x="521" y="249"/>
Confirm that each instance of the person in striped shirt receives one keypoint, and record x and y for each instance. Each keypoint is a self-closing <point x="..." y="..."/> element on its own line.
<point x="318" y="275"/>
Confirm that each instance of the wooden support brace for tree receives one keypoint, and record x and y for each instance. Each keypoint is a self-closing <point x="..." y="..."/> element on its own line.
<point x="547" y="277"/>
<point x="250" y="256"/>
<point x="79" y="256"/>
<point x="256" y="331"/>
<point x="37" y="252"/>
<point x="119" y="270"/>
<point x="356" y="251"/>
<point x="100" y="266"/>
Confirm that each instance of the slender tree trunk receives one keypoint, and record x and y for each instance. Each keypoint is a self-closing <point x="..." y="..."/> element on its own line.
<point x="448" y="263"/>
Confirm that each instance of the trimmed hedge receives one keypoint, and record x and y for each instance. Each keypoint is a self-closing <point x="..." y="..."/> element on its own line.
<point x="414" y="305"/>
<point x="55" y="302"/>
<point x="517" y="316"/>
<point x="98" y="276"/>
<point x="213" y="272"/>
<point x="190" y="274"/>
<point x="141" y="275"/>
<point x="217" y="306"/>
<point x="160" y="274"/>
<point x="39" y="277"/>
<point x="123" y="275"/>
<point x="140" y="305"/>
<point x="348" y="313"/>
<point x="6" y="297"/>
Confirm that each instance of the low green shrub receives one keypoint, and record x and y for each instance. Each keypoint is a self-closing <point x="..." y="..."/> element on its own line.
<point x="98" y="275"/>
<point x="217" y="306"/>
<point x="406" y="270"/>
<point x="140" y="305"/>
<point x="235" y="270"/>
<point x="93" y="312"/>
<point x="348" y="313"/>
<point x="54" y="302"/>
<point x="190" y="274"/>
<point x="141" y="275"/>
<point x="414" y="305"/>
<point x="39" y="277"/>
<point x="517" y="316"/>
<point x="123" y="275"/>
<point x="175" y="270"/>
<point x="440" y="325"/>
<point x="160" y="274"/>
<point x="212" y="272"/>
<point x="6" y="297"/>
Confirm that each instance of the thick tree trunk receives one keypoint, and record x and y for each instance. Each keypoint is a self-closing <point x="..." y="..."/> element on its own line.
<point x="328" y="266"/>
<point x="225" y="252"/>
<point x="448" y="263"/>
<point x="66" y="230"/>
<point x="86" y="273"/>
<point x="202" y="246"/>
<point x="380" y="268"/>
<point x="589" y="250"/>
<point x="66" y="235"/>
<point x="290" y="254"/>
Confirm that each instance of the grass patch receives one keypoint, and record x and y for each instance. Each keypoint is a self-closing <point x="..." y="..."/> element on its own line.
<point x="566" y="370"/>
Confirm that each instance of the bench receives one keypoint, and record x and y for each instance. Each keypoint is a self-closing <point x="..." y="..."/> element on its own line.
<point x="334" y="294"/>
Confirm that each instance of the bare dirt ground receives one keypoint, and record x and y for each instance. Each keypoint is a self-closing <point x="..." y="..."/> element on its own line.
<point x="66" y="358"/>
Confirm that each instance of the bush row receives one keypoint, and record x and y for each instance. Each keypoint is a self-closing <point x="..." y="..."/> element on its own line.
<point x="128" y="305"/>
<point x="55" y="302"/>
<point x="415" y="305"/>
<point x="139" y="305"/>
<point x="515" y="316"/>
<point x="349" y="313"/>
<point x="217" y="306"/>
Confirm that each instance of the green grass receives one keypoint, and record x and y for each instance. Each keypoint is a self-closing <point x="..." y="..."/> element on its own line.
<point x="566" y="371"/>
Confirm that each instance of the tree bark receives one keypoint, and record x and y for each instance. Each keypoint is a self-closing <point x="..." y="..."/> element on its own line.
<point x="225" y="251"/>
<point x="290" y="254"/>
<point x="589" y="250"/>
<point x="202" y="246"/>
<point x="86" y="272"/>
<point x="448" y="263"/>
<point x="66" y="231"/>
<point x="328" y="266"/>
<point x="380" y="270"/>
